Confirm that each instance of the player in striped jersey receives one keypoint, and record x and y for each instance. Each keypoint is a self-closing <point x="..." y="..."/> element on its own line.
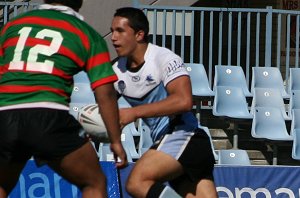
<point x="155" y="83"/>
<point x="40" y="51"/>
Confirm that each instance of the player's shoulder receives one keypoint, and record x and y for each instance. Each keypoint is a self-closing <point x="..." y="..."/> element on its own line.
<point x="156" y="50"/>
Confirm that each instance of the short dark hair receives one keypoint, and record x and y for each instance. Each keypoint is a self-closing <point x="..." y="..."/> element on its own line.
<point x="74" y="4"/>
<point x="137" y="19"/>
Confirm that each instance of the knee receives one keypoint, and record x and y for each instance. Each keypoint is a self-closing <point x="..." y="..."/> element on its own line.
<point x="94" y="188"/>
<point x="137" y="188"/>
<point x="96" y="182"/>
<point x="100" y="180"/>
<point x="132" y="187"/>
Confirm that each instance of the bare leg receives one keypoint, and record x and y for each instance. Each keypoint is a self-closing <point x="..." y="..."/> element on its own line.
<point x="2" y="193"/>
<point x="9" y="176"/>
<point x="205" y="189"/>
<point x="82" y="168"/>
<point x="153" y="166"/>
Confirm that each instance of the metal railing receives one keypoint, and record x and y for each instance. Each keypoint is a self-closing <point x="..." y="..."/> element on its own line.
<point x="9" y="10"/>
<point x="227" y="36"/>
<point x="216" y="36"/>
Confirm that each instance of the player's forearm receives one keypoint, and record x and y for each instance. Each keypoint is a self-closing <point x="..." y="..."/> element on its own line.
<point x="179" y="100"/>
<point x="108" y="108"/>
<point x="171" y="106"/>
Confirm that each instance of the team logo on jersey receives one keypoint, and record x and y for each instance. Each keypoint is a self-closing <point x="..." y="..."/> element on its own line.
<point x="121" y="86"/>
<point x="150" y="80"/>
<point x="135" y="78"/>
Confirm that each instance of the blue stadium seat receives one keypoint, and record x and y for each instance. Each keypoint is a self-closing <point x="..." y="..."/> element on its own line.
<point x="105" y="154"/>
<point x="268" y="77"/>
<point x="145" y="140"/>
<point x="296" y="145"/>
<point x="294" y="102"/>
<point x="269" y="97"/>
<point x="295" y="125"/>
<point x="199" y="80"/>
<point x="200" y="85"/>
<point x="268" y="124"/>
<point x="128" y="142"/>
<point x="133" y="129"/>
<point x="74" y="108"/>
<point x="82" y="93"/>
<point x="233" y="76"/>
<point x="230" y="102"/>
<point x="234" y="157"/>
<point x="294" y="80"/>
<point x="81" y="77"/>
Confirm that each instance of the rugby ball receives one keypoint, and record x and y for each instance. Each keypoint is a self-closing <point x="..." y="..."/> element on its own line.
<point x="91" y="121"/>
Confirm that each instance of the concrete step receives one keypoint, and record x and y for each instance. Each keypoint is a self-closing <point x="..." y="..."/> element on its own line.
<point x="259" y="162"/>
<point x="221" y="144"/>
<point x="220" y="139"/>
<point x="255" y="154"/>
<point x="257" y="157"/>
<point x="218" y="133"/>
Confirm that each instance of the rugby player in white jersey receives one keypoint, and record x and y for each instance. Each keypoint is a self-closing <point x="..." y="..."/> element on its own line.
<point x="155" y="82"/>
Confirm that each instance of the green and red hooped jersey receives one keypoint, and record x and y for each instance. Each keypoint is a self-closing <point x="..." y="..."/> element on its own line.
<point x="41" y="50"/>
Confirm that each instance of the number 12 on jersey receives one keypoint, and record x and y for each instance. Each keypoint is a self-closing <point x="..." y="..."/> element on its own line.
<point x="32" y="64"/>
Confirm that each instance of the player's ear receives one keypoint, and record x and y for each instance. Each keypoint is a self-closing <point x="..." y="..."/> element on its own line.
<point x="140" y="35"/>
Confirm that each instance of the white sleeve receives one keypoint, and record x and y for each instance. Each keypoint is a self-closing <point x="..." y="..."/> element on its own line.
<point x="173" y="69"/>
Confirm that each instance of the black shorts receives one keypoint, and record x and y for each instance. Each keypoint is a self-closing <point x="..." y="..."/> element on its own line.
<point x="193" y="152"/>
<point x="45" y="134"/>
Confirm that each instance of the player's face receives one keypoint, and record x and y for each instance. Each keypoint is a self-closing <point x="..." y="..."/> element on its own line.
<point x="123" y="37"/>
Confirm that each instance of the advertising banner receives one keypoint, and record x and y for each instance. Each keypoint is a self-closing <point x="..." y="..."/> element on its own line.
<point x="43" y="182"/>
<point x="257" y="181"/>
<point x="249" y="181"/>
<point x="231" y="182"/>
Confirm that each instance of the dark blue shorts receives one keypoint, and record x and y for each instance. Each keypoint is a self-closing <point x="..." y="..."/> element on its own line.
<point x="45" y="134"/>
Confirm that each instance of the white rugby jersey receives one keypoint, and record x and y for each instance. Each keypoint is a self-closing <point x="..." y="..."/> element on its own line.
<point x="148" y="85"/>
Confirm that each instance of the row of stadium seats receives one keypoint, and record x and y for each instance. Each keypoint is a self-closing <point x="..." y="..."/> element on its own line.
<point x="268" y="106"/>
<point x="233" y="76"/>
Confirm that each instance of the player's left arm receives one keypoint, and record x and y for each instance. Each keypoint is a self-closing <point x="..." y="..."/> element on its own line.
<point x="179" y="100"/>
<point x="108" y="108"/>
